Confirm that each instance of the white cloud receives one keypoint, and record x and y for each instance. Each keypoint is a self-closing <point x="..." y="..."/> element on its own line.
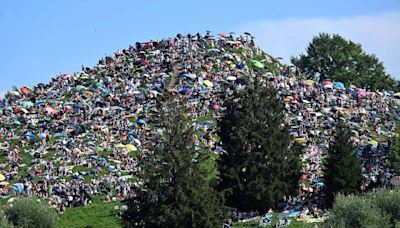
<point x="378" y="34"/>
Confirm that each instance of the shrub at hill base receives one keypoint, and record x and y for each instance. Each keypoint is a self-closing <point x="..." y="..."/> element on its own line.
<point x="376" y="209"/>
<point x="31" y="213"/>
<point x="4" y="223"/>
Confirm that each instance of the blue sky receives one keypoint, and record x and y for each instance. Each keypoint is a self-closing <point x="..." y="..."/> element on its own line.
<point x="39" y="39"/>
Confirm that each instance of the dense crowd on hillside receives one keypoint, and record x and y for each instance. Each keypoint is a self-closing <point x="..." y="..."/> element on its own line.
<point x="81" y="135"/>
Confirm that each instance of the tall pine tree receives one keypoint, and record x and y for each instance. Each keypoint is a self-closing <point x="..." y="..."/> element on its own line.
<point x="176" y="192"/>
<point x="393" y="160"/>
<point x="343" y="168"/>
<point x="258" y="168"/>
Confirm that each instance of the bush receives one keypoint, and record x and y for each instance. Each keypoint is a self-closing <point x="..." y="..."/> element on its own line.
<point x="31" y="213"/>
<point x="4" y="223"/>
<point x="356" y="211"/>
<point x="389" y="202"/>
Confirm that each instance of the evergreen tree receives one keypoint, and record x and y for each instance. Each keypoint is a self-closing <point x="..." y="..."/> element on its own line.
<point x="331" y="57"/>
<point x="175" y="192"/>
<point x="258" y="168"/>
<point x="343" y="168"/>
<point x="393" y="161"/>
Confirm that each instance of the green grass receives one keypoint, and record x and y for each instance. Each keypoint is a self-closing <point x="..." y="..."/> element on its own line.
<point x="97" y="214"/>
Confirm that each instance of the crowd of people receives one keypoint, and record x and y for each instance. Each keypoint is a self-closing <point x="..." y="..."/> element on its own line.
<point x="82" y="135"/>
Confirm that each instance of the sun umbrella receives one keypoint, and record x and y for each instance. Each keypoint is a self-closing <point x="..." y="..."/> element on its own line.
<point x="318" y="184"/>
<point x="30" y="135"/>
<point x="208" y="83"/>
<point x="16" y="122"/>
<point x="286" y="100"/>
<point x="131" y="147"/>
<point x="18" y="110"/>
<point x="299" y="140"/>
<point x="363" y="111"/>
<point x="2" y="177"/>
<point x="231" y="78"/>
<point x="50" y="110"/>
<point x="397" y="94"/>
<point x="184" y="90"/>
<point x="16" y="93"/>
<point x="309" y="82"/>
<point x="141" y="121"/>
<point x="60" y="134"/>
<point x="373" y="142"/>
<point x="4" y="183"/>
<point x="338" y="85"/>
<point x="327" y="84"/>
<point x="190" y="76"/>
<point x="98" y="149"/>
<point x="230" y="42"/>
<point x="214" y="50"/>
<point x="120" y="145"/>
<point x="80" y="87"/>
<point x="27" y="103"/>
<point x="24" y="90"/>
<point x="39" y="102"/>
<point x="258" y="64"/>
<point x="373" y="114"/>
<point x="19" y="187"/>
<point x="137" y="141"/>
<point x="361" y="92"/>
<point x="222" y="35"/>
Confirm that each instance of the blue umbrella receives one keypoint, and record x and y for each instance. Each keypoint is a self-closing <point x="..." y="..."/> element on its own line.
<point x="60" y="134"/>
<point x="318" y="184"/>
<point x="338" y="85"/>
<point x="16" y="122"/>
<point x="39" y="102"/>
<point x="183" y="90"/>
<point x="30" y="135"/>
<point x="27" y="103"/>
<point x="373" y="114"/>
<point x="19" y="187"/>
<point x="294" y="214"/>
<point x="187" y="76"/>
<point x="141" y="121"/>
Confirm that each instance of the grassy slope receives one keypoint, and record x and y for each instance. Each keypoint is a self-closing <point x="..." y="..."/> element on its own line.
<point x="97" y="214"/>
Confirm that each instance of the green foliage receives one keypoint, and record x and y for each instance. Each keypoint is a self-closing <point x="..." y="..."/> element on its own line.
<point x="393" y="161"/>
<point x="388" y="201"/>
<point x="331" y="57"/>
<point x="31" y="213"/>
<point x="4" y="223"/>
<point x="343" y="168"/>
<point x="96" y="214"/>
<point x="375" y="209"/>
<point x="176" y="192"/>
<point x="356" y="211"/>
<point x="258" y="168"/>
